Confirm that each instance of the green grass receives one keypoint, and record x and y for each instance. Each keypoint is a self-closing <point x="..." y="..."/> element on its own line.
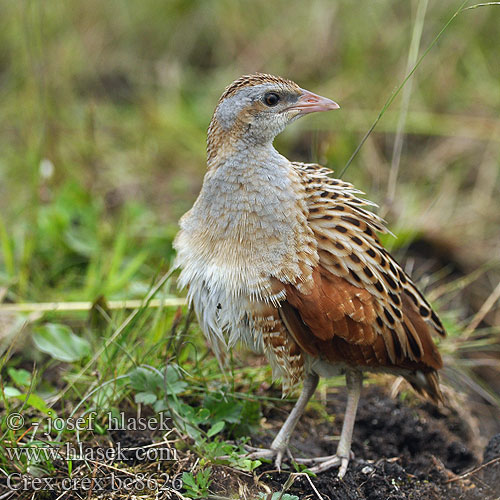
<point x="103" y="115"/>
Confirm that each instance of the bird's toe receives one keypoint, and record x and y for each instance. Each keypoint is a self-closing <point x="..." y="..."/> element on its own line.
<point x="267" y="453"/>
<point x="322" y="464"/>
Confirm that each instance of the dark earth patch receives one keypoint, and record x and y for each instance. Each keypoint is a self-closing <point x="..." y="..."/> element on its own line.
<point x="401" y="453"/>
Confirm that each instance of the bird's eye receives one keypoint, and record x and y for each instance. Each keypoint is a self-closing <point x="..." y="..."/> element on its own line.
<point x="271" y="99"/>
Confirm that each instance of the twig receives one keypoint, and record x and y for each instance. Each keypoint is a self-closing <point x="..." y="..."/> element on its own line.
<point x="483" y="311"/>
<point x="182" y="336"/>
<point x="173" y="330"/>
<point x="94" y="473"/>
<point x="291" y="479"/>
<point x="473" y="471"/>
<point x="310" y="483"/>
<point x="456" y="285"/>
<point x="485" y="4"/>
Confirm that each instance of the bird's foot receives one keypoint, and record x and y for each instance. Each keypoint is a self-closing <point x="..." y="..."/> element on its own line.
<point x="321" y="464"/>
<point x="268" y="453"/>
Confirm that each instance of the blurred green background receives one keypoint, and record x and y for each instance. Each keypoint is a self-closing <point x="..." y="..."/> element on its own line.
<point x="104" y="108"/>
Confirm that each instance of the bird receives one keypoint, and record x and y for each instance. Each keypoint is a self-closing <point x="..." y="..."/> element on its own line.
<point x="283" y="258"/>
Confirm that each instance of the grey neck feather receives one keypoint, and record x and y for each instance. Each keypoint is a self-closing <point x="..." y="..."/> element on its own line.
<point x="252" y="181"/>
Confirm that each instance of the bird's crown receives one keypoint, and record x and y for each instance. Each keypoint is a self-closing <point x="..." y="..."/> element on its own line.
<point x="258" y="79"/>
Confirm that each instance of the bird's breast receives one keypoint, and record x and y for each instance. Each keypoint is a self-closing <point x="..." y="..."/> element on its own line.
<point x="247" y="226"/>
<point x="245" y="237"/>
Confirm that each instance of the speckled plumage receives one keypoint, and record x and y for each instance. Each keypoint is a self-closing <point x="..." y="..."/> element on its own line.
<point x="285" y="258"/>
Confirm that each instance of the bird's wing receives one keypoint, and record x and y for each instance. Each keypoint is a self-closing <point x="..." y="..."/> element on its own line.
<point x="363" y="308"/>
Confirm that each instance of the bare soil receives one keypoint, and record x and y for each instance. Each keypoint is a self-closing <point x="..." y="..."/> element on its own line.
<point x="401" y="452"/>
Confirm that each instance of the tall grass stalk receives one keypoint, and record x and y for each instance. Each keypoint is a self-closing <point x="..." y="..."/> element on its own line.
<point x="398" y="141"/>
<point x="398" y="89"/>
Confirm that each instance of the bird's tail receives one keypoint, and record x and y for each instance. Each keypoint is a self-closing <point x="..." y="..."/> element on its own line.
<point x="426" y="384"/>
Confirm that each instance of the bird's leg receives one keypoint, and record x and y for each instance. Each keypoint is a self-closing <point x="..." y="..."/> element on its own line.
<point x="282" y="440"/>
<point x="354" y="382"/>
<point x="280" y="444"/>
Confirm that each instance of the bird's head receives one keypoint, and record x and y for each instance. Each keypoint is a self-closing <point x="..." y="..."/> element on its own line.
<point x="256" y="108"/>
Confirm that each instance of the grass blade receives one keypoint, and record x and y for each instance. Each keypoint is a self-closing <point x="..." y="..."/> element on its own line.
<point x="401" y="85"/>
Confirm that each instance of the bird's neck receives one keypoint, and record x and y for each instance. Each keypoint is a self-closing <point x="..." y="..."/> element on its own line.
<point x="247" y="179"/>
<point x="224" y="146"/>
<point x="248" y="189"/>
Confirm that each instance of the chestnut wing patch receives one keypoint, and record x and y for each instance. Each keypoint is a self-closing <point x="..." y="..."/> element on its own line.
<point x="337" y="322"/>
<point x="335" y="308"/>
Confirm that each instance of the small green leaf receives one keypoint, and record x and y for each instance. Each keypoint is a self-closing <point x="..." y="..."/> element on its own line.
<point x="175" y="384"/>
<point x="33" y="400"/>
<point x="81" y="240"/>
<point x="216" y="428"/>
<point x="248" y="465"/>
<point x="20" y="377"/>
<point x="11" y="392"/>
<point x="202" y="416"/>
<point x="160" y="405"/>
<point x="188" y="480"/>
<point x="145" y="380"/>
<point x="146" y="398"/>
<point x="224" y="409"/>
<point x="37" y="402"/>
<point x="60" y="342"/>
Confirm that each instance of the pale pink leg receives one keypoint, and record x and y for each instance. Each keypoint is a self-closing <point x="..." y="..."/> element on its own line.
<point x="280" y="444"/>
<point x="354" y="382"/>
